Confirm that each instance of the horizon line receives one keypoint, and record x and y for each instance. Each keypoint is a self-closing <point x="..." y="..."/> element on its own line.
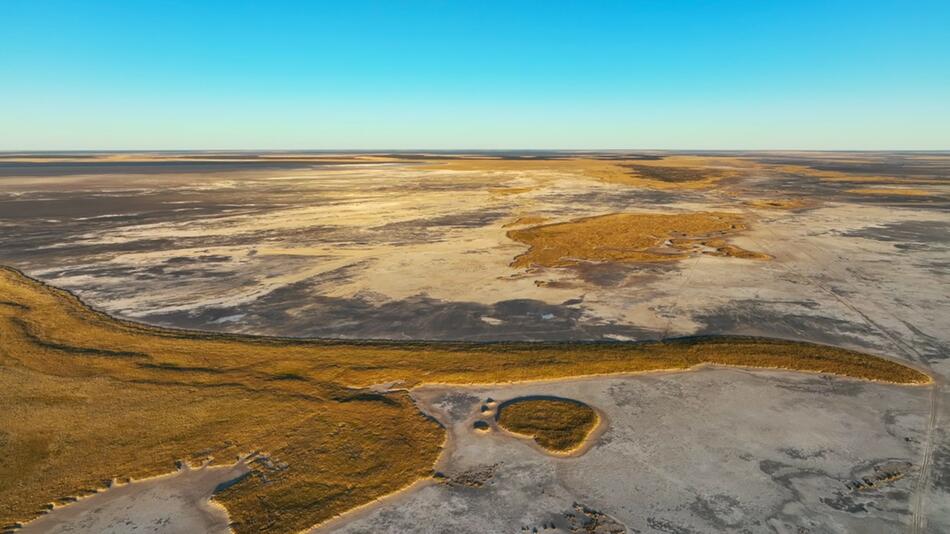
<point x="448" y="150"/>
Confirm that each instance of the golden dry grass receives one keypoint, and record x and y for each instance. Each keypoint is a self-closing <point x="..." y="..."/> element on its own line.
<point x="631" y="237"/>
<point x="87" y="398"/>
<point x="558" y="425"/>
<point x="899" y="191"/>
<point x="671" y="172"/>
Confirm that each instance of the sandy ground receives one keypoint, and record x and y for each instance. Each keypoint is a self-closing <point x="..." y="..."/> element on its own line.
<point x="178" y="503"/>
<point x="713" y="450"/>
<point x="397" y="251"/>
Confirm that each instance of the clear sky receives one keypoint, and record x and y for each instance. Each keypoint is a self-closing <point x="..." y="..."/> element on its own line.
<point x="197" y="74"/>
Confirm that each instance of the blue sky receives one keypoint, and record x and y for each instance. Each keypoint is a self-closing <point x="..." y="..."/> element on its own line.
<point x="587" y="74"/>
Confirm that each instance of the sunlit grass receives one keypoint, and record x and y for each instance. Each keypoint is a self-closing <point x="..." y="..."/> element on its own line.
<point x="87" y="398"/>
<point x="897" y="191"/>
<point x="558" y="425"/>
<point x="631" y="237"/>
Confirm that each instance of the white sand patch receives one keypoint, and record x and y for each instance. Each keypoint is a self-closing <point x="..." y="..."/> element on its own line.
<point x="170" y="504"/>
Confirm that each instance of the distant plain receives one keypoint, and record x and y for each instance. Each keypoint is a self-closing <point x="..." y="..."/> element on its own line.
<point x="846" y="249"/>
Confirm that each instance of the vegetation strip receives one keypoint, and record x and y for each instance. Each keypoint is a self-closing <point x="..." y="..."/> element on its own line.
<point x="88" y="398"/>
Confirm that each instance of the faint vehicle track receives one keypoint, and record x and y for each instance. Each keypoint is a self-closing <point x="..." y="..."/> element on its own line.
<point x="676" y="300"/>
<point x="919" y="519"/>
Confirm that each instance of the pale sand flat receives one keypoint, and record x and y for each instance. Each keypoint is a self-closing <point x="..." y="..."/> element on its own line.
<point x="169" y="504"/>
